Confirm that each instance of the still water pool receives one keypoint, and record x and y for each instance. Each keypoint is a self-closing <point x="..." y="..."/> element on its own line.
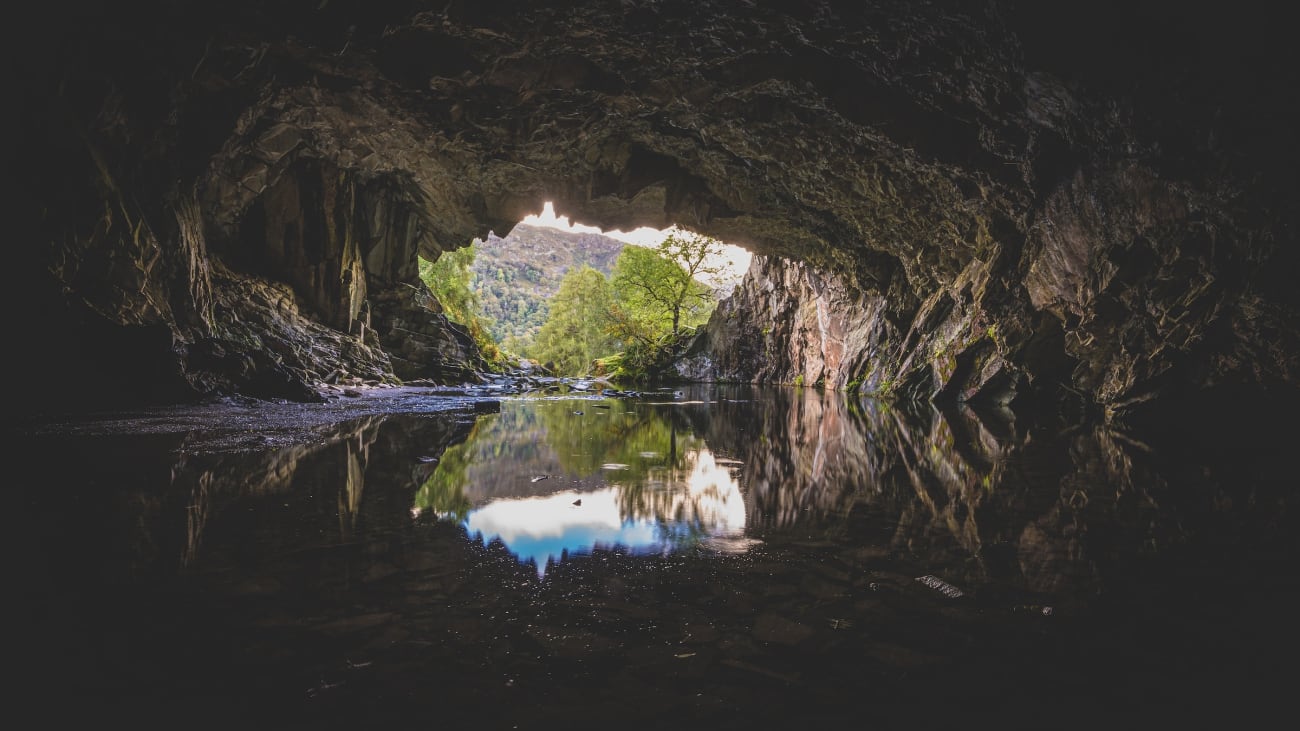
<point x="724" y="557"/>
<point x="561" y="477"/>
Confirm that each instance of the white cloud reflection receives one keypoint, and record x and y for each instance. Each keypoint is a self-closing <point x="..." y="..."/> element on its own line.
<point x="674" y="509"/>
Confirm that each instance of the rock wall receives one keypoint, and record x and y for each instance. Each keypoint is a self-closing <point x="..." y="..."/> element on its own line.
<point x="789" y="323"/>
<point x="349" y="251"/>
<point x="950" y="206"/>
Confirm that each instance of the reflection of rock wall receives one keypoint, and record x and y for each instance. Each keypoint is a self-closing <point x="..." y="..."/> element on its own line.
<point x="965" y="493"/>
<point x="807" y="452"/>
<point x="359" y="473"/>
<point x="949" y="478"/>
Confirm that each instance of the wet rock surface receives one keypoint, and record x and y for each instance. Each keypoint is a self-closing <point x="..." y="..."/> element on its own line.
<point x="950" y="205"/>
<point x="240" y="424"/>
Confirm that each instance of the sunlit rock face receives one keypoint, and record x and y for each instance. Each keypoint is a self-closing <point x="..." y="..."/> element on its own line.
<point x="948" y="206"/>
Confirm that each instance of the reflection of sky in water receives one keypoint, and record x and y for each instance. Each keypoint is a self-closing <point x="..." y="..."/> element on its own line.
<point x="705" y="503"/>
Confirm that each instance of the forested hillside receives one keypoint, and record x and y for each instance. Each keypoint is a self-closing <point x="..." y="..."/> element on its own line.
<point x="514" y="276"/>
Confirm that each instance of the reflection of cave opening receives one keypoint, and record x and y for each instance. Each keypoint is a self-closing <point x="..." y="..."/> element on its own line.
<point x="500" y="287"/>
<point x="548" y="481"/>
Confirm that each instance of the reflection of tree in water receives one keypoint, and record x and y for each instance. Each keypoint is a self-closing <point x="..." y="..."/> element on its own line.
<point x="501" y="452"/>
<point x="641" y="436"/>
<point x="647" y="452"/>
<point x="547" y="438"/>
<point x="966" y="494"/>
<point x="444" y="491"/>
<point x="689" y="499"/>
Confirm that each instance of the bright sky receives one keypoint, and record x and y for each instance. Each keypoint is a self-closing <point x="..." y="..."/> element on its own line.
<point x="734" y="258"/>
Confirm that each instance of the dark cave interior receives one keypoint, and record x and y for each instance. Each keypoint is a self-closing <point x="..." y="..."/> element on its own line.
<point x="1037" y="258"/>
<point x="998" y="201"/>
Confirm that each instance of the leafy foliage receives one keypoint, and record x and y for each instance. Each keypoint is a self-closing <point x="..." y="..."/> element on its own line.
<point x="642" y="316"/>
<point x="658" y="288"/>
<point x="515" y="276"/>
<point x="650" y="308"/>
<point x="641" y="361"/>
<point x="577" y="331"/>
<point x="448" y="278"/>
<point x="444" y="491"/>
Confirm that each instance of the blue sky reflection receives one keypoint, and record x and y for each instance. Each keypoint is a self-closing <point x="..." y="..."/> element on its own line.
<point x="674" y="509"/>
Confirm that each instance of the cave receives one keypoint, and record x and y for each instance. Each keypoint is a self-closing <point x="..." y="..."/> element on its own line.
<point x="1030" y="268"/>
<point x="1017" y="223"/>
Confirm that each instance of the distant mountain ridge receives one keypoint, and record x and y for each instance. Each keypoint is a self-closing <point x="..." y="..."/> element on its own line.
<point x="515" y="276"/>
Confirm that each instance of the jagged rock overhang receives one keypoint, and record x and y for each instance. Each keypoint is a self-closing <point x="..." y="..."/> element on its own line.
<point x="911" y="157"/>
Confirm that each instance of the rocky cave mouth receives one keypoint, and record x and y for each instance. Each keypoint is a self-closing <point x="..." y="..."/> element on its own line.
<point x="940" y="208"/>
<point x="1077" y="220"/>
<point x="502" y="288"/>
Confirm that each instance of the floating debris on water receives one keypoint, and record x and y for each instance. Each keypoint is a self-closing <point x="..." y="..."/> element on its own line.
<point x="324" y="686"/>
<point x="729" y="544"/>
<point x="941" y="586"/>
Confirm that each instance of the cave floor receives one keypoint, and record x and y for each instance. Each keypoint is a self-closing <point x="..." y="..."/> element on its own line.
<point x="236" y="423"/>
<point x="732" y="557"/>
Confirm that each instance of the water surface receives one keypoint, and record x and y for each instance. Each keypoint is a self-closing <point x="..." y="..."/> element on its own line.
<point x="550" y="478"/>
<point x="730" y="558"/>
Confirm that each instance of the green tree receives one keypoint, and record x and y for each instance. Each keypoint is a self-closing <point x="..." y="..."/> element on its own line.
<point x="576" y="329"/>
<point x="449" y="277"/>
<point x="659" y="290"/>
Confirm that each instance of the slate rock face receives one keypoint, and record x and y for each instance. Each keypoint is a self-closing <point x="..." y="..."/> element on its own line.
<point x="943" y="206"/>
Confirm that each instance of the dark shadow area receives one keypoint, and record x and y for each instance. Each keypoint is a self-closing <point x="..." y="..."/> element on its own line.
<point x="886" y="557"/>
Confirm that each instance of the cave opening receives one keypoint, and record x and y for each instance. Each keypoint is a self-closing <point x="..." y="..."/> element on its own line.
<point x="1002" y="400"/>
<point x="501" y="287"/>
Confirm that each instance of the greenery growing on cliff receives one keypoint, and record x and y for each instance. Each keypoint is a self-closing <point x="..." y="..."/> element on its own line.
<point x="448" y="278"/>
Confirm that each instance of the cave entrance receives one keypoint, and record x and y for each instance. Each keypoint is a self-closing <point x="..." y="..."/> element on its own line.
<point x="553" y="292"/>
